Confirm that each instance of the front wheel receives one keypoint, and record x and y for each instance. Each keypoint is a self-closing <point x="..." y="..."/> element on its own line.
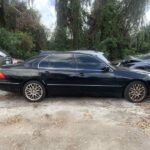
<point x="34" y="91"/>
<point x="136" y="92"/>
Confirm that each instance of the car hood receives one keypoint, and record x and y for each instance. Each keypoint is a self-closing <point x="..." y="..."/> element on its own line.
<point x="131" y="72"/>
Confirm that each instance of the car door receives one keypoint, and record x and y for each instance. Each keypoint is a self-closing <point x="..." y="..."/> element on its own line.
<point x="94" y="76"/>
<point x="59" y="72"/>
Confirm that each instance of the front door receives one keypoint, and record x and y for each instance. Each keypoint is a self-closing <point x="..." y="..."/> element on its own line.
<point x="93" y="78"/>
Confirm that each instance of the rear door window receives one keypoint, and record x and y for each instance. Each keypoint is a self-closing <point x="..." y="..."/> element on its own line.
<point x="59" y="61"/>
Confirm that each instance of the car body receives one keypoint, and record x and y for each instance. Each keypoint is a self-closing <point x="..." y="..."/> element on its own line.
<point x="5" y="58"/>
<point x="72" y="73"/>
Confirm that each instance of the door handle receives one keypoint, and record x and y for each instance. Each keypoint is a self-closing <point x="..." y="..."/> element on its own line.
<point x="81" y="74"/>
<point x="47" y="73"/>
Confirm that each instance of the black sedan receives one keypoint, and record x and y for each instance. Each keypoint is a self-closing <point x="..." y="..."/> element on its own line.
<point x="73" y="73"/>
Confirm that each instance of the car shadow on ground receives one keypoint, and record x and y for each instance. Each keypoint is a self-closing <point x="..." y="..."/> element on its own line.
<point x="76" y="99"/>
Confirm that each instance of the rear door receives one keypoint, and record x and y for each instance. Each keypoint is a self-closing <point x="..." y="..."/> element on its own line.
<point x="59" y="72"/>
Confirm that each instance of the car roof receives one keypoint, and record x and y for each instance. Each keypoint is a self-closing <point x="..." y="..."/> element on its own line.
<point x="88" y="52"/>
<point x="43" y="52"/>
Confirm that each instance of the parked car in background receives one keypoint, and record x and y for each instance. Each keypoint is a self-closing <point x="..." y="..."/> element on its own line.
<point x="73" y="73"/>
<point x="17" y="61"/>
<point x="135" y="62"/>
<point x="5" y="58"/>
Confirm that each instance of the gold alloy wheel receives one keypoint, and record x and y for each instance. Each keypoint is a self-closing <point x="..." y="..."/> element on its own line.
<point x="137" y="92"/>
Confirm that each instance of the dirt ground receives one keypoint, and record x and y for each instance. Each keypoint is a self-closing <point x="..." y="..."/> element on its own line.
<point x="73" y="124"/>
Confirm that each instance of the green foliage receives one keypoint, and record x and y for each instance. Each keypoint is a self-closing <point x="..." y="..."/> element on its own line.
<point x="18" y="44"/>
<point x="28" y="33"/>
<point x="25" y="45"/>
<point x="39" y="36"/>
<point x="107" y="28"/>
<point x="109" y="47"/>
<point x="59" y="41"/>
<point x="108" y="32"/>
<point x="26" y="42"/>
<point x="141" y="40"/>
<point x="112" y="26"/>
<point x="8" y="40"/>
<point x="69" y="24"/>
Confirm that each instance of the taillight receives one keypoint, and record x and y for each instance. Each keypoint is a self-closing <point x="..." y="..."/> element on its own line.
<point x="2" y="76"/>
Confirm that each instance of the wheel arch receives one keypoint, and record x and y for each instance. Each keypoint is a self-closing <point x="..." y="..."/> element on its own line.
<point x="34" y="79"/>
<point x="124" y="88"/>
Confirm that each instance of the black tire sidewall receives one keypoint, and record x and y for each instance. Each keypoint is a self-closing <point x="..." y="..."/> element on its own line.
<point x="42" y="86"/>
<point x="126" y="92"/>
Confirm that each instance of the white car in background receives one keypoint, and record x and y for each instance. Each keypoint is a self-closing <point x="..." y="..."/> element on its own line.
<point x="17" y="61"/>
<point x="5" y="58"/>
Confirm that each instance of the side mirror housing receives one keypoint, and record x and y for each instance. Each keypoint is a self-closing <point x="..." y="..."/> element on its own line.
<point x="106" y="69"/>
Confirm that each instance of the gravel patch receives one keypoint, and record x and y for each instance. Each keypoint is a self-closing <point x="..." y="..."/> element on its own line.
<point x="73" y="123"/>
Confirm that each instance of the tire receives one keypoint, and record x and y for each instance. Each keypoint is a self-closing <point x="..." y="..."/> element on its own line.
<point x="34" y="91"/>
<point x="136" y="92"/>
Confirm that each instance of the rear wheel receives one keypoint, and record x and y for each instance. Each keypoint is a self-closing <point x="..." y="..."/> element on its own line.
<point x="136" y="92"/>
<point x="34" y="91"/>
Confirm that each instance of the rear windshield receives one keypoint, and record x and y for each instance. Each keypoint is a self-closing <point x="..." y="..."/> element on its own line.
<point x="34" y="61"/>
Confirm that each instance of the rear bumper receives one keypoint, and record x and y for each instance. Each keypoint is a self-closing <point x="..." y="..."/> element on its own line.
<point x="10" y="87"/>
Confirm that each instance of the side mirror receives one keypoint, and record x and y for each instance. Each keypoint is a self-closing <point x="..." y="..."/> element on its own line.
<point x="106" y="69"/>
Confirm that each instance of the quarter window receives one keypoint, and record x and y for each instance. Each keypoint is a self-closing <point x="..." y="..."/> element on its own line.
<point x="33" y="62"/>
<point x="59" y="61"/>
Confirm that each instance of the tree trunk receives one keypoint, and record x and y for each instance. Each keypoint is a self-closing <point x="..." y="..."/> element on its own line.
<point x="2" y="14"/>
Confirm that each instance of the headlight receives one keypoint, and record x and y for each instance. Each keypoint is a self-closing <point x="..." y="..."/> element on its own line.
<point x="148" y="75"/>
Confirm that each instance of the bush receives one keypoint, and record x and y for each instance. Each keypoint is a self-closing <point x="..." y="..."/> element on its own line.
<point x="18" y="44"/>
<point x="8" y="40"/>
<point x="24" y="49"/>
<point x="109" y="47"/>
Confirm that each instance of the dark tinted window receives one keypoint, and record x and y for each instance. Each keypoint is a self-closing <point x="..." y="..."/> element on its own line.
<point x="88" y="62"/>
<point x="86" y="59"/>
<point x="59" y="61"/>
